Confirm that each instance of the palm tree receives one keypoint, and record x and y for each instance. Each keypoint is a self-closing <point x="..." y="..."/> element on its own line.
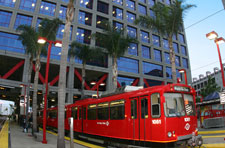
<point x="116" y="44"/>
<point x="168" y="20"/>
<point x="48" y="28"/>
<point x="62" y="75"/>
<point x="85" y="53"/>
<point x="29" y="38"/>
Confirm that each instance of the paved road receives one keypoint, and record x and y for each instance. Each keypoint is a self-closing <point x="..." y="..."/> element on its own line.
<point x="20" y="139"/>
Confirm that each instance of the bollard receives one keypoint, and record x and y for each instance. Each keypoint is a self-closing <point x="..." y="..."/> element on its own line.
<point x="71" y="132"/>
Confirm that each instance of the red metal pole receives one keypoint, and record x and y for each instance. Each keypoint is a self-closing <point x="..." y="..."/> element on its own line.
<point x="221" y="65"/>
<point x="185" y="76"/>
<point x="97" y="89"/>
<point x="46" y="92"/>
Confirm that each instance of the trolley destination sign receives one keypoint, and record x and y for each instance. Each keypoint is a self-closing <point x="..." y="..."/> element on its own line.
<point x="180" y="88"/>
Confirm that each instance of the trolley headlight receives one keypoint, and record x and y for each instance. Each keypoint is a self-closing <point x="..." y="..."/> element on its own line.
<point x="169" y="134"/>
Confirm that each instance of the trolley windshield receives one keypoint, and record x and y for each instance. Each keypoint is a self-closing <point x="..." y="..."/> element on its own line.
<point x="177" y="105"/>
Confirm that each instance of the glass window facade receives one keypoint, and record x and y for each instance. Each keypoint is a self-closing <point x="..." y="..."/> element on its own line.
<point x="185" y="62"/>
<point x="165" y="44"/>
<point x="145" y="37"/>
<point x="83" y="36"/>
<point x="8" y="3"/>
<point x="47" y="8"/>
<point x="183" y="50"/>
<point x="22" y="20"/>
<point x="177" y="60"/>
<point x="142" y="9"/>
<point x="174" y="37"/>
<point x="118" y="13"/>
<point x="128" y="65"/>
<point x="55" y="53"/>
<point x="5" y="18"/>
<point x="146" y="53"/>
<point x="62" y="12"/>
<point x="28" y="5"/>
<point x="168" y="2"/>
<point x="85" y="18"/>
<point x="156" y="40"/>
<point x="125" y="81"/>
<point x="157" y="55"/>
<point x="181" y="38"/>
<point x="130" y="4"/>
<point x="86" y="4"/>
<point x="118" y="25"/>
<point x="61" y="31"/>
<point x="99" y="21"/>
<point x="66" y="1"/>
<point x="10" y="42"/>
<point x="38" y="22"/>
<point x="151" y="3"/>
<point x="119" y="2"/>
<point x="152" y="13"/>
<point x="131" y="17"/>
<point x="132" y="49"/>
<point x="103" y="7"/>
<point x="152" y="69"/>
<point x="167" y="58"/>
<point x="169" y="72"/>
<point x="143" y="1"/>
<point x="152" y="83"/>
<point x="175" y="47"/>
<point x="131" y="31"/>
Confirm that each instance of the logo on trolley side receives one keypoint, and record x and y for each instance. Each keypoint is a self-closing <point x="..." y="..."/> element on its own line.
<point x="156" y="121"/>
<point x="103" y="123"/>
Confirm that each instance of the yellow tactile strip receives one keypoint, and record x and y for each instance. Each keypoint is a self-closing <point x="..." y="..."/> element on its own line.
<point x="4" y="134"/>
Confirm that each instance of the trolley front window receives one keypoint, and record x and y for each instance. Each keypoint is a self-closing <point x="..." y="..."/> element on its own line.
<point x="174" y="105"/>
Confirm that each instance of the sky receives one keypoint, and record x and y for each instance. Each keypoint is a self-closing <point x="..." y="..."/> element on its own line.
<point x="202" y="51"/>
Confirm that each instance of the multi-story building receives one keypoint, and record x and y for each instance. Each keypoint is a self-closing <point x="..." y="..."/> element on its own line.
<point x="199" y="83"/>
<point x="145" y="64"/>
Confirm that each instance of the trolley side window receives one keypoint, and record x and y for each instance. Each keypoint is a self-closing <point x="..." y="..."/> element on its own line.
<point x="92" y="112"/>
<point x="52" y="114"/>
<point x="117" y="110"/>
<point x="84" y="112"/>
<point x="74" y="112"/>
<point x="80" y="113"/>
<point x="189" y="105"/>
<point x="155" y="105"/>
<point x="103" y="111"/>
<point x="133" y="109"/>
<point x="144" y="108"/>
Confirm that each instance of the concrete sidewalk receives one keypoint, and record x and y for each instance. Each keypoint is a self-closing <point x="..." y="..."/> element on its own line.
<point x="19" y="139"/>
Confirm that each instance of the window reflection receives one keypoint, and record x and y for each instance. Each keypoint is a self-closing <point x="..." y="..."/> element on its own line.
<point x="132" y="49"/>
<point x="22" y="20"/>
<point x="131" y="17"/>
<point x="130" y="4"/>
<point x="118" y="13"/>
<point x="152" y="69"/>
<point x="146" y="52"/>
<point x="83" y="36"/>
<point x="131" y="31"/>
<point x="62" y="12"/>
<point x="128" y="65"/>
<point x="47" y="8"/>
<point x="86" y="3"/>
<point x="5" y="18"/>
<point x="8" y="3"/>
<point x="145" y="37"/>
<point x="28" y="5"/>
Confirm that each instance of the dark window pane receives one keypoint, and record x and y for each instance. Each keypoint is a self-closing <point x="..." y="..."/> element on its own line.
<point x="119" y="2"/>
<point x="156" y="40"/>
<point x="103" y="111"/>
<point x="103" y="7"/>
<point x="125" y="81"/>
<point x="85" y="18"/>
<point x="132" y="49"/>
<point x="28" y="5"/>
<point x="175" y="47"/>
<point x="5" y="18"/>
<point x="146" y="52"/>
<point x="169" y="72"/>
<point x="92" y="114"/>
<point x="99" y="22"/>
<point x="117" y="110"/>
<point x="183" y="50"/>
<point x="144" y="108"/>
<point x="86" y="3"/>
<point x="158" y="55"/>
<point x="127" y="65"/>
<point x="8" y="3"/>
<point x="118" y="13"/>
<point x="132" y="32"/>
<point x="83" y="36"/>
<point x="181" y="38"/>
<point x="133" y="109"/>
<point x="131" y="17"/>
<point x="145" y="37"/>
<point x="118" y="25"/>
<point x="47" y="8"/>
<point x="62" y="12"/>
<point x="155" y="103"/>
<point x="22" y="20"/>
<point x="185" y="62"/>
<point x="167" y="58"/>
<point x="142" y="9"/>
<point x="152" y="69"/>
<point x="130" y="4"/>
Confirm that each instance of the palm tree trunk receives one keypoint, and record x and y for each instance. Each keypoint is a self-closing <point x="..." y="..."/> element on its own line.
<point x="62" y="75"/>
<point x="172" y="59"/>
<point x="115" y="73"/>
<point x="34" y="102"/>
<point x="83" y="78"/>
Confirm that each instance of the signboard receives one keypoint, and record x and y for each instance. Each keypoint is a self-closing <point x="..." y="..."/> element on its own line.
<point x="222" y="97"/>
<point x="180" y="88"/>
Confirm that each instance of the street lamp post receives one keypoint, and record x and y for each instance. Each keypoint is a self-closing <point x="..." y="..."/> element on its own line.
<point x="214" y="36"/>
<point x="185" y="74"/>
<point x="43" y="40"/>
<point x="101" y="84"/>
